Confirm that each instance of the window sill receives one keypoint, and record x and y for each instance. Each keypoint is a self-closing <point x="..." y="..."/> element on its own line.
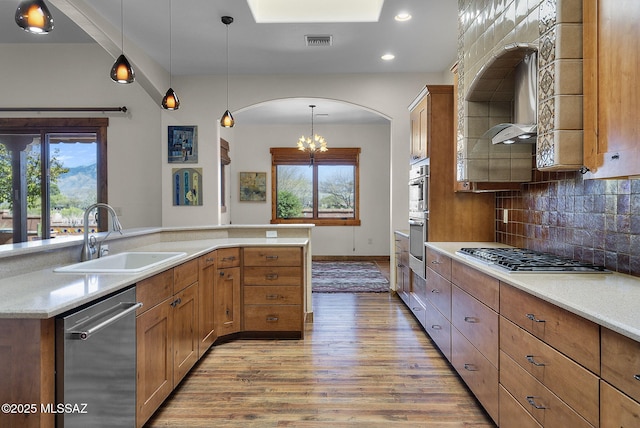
<point x="318" y="221"/>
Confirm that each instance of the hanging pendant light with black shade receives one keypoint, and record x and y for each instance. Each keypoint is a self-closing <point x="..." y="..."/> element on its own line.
<point x="34" y="16"/>
<point x="170" y="100"/>
<point x="122" y="72"/>
<point x="226" y="120"/>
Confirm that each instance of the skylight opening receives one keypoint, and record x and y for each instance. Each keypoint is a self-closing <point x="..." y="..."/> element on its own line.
<point x="315" y="11"/>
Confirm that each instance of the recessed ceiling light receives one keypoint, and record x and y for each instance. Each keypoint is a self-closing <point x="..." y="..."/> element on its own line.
<point x="402" y="16"/>
<point x="295" y="11"/>
<point x="388" y="57"/>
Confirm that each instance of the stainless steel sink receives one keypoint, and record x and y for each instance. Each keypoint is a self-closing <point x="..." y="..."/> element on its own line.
<point x="129" y="262"/>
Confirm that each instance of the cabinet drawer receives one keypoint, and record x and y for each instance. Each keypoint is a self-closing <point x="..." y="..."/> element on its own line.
<point x="574" y="384"/>
<point x="439" y="328"/>
<point x="273" y="256"/>
<point x="621" y="362"/>
<point x="418" y="308"/>
<point x="273" y="318"/>
<point x="184" y="275"/>
<point x="154" y="290"/>
<point x="228" y="257"/>
<point x="541" y="403"/>
<point x="439" y="292"/>
<point x="439" y="263"/>
<point x="477" y="372"/>
<point x="286" y="275"/>
<point x="483" y="287"/>
<point x="207" y="260"/>
<point x="617" y="410"/>
<point x="419" y="289"/>
<point x="477" y="322"/>
<point x="269" y="295"/>
<point x="571" y="334"/>
<point x="512" y="414"/>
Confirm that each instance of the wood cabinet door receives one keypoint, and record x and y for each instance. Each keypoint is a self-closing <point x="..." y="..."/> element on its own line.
<point x="611" y="88"/>
<point x="227" y="301"/>
<point x="185" y="331"/>
<point x="206" y="299"/>
<point x="616" y="409"/>
<point x="154" y="359"/>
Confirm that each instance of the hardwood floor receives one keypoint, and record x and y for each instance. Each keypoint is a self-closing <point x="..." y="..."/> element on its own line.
<point x="364" y="362"/>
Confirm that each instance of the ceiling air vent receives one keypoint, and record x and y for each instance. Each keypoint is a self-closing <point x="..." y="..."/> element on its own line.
<point x="318" y="40"/>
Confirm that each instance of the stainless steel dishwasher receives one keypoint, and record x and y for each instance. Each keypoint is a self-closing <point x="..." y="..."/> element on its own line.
<point x="96" y="364"/>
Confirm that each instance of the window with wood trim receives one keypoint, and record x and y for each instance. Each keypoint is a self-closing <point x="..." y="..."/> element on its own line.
<point x="323" y="191"/>
<point x="52" y="169"/>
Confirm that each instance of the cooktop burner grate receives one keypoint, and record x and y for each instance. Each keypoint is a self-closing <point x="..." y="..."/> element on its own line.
<point x="524" y="260"/>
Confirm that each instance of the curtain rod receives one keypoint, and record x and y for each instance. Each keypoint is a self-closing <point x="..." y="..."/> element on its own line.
<point x="123" y="109"/>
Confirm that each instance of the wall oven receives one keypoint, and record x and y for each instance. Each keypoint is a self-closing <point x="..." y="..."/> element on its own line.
<point x="418" y="215"/>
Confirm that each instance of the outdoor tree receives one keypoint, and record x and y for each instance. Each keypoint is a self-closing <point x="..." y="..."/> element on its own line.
<point x="337" y="189"/>
<point x="289" y="206"/>
<point x="56" y="169"/>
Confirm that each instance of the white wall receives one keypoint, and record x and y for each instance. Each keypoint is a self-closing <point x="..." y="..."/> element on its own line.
<point x="77" y="75"/>
<point x="61" y="75"/>
<point x="250" y="152"/>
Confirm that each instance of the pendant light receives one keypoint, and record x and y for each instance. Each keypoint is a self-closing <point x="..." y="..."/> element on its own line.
<point x="226" y="120"/>
<point x="122" y="72"/>
<point x="170" y="100"/>
<point x="313" y="143"/>
<point x="34" y="16"/>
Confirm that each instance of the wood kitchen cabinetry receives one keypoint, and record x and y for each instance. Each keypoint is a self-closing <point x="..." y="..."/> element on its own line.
<point x="620" y="384"/>
<point x="207" y="333"/>
<point x="228" y="304"/>
<point x="474" y="332"/>
<point x="167" y="334"/>
<point x="549" y="360"/>
<point x="453" y="216"/>
<point x="611" y="88"/>
<point x="403" y="271"/>
<point x="273" y="281"/>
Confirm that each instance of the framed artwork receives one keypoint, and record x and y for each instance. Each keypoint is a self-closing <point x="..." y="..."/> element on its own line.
<point x="182" y="143"/>
<point x="186" y="186"/>
<point x="253" y="186"/>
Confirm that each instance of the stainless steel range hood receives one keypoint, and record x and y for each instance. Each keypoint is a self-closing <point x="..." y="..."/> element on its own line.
<point x="525" y="128"/>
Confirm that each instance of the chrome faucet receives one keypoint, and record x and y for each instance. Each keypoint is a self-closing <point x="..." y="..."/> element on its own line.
<point x="89" y="249"/>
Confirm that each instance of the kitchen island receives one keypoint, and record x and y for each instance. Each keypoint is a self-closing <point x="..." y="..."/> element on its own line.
<point x="34" y="295"/>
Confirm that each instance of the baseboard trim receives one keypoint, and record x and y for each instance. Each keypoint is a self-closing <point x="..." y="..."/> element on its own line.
<point x="350" y="258"/>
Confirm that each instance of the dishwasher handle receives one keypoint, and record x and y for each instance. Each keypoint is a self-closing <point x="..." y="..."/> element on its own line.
<point x="86" y="333"/>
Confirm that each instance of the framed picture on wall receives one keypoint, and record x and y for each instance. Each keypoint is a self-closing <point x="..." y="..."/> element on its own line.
<point x="253" y="186"/>
<point x="182" y="143"/>
<point x="186" y="186"/>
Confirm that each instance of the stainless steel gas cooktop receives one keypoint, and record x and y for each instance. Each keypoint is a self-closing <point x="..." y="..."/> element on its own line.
<point x="523" y="260"/>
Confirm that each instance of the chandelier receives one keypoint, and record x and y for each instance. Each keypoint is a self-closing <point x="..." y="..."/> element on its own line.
<point x="312" y="143"/>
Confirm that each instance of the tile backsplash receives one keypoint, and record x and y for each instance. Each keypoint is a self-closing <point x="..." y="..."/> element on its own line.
<point x="596" y="221"/>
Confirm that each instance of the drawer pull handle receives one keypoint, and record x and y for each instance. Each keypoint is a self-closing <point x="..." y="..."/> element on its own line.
<point x="533" y="318"/>
<point x="271" y="257"/>
<point x="470" y="367"/>
<point x="436" y="327"/>
<point x="636" y="377"/>
<point x="271" y="276"/>
<point x="471" y="320"/>
<point x="416" y="309"/>
<point x="272" y="319"/>
<point x="435" y="290"/>
<point x="176" y="302"/>
<point x="534" y="362"/>
<point x="228" y="259"/>
<point x="272" y="296"/>
<point x="209" y="259"/>
<point x="530" y="400"/>
<point x="436" y="262"/>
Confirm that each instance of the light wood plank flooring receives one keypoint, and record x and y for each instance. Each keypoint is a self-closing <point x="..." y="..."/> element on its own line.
<point x="364" y="362"/>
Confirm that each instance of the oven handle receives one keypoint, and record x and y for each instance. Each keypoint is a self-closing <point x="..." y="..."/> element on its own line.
<point x="417" y="182"/>
<point x="416" y="223"/>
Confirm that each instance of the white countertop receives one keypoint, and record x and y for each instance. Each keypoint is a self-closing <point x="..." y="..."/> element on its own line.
<point x="609" y="299"/>
<point x="44" y="293"/>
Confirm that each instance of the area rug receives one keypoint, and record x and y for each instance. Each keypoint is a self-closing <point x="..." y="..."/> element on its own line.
<point x="347" y="277"/>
